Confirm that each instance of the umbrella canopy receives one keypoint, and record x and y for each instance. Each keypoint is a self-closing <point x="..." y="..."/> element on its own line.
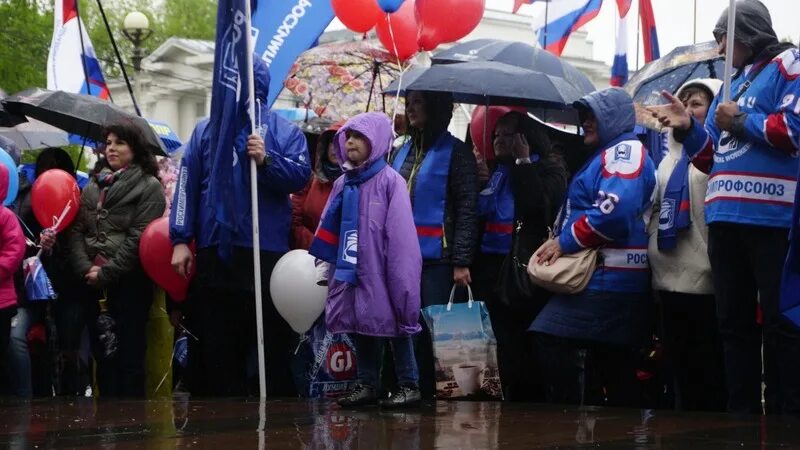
<point x="408" y="77"/>
<point x="493" y="83"/>
<point x="517" y="54"/>
<point x="338" y="81"/>
<point x="671" y="71"/>
<point x="78" y="114"/>
<point x="35" y="134"/>
<point x="6" y="118"/>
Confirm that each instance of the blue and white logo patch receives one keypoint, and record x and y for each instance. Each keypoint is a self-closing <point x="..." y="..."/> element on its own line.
<point x="666" y="218"/>
<point x="622" y="152"/>
<point x="350" y="249"/>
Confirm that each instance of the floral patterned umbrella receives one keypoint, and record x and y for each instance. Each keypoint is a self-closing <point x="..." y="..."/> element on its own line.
<point x="338" y="81"/>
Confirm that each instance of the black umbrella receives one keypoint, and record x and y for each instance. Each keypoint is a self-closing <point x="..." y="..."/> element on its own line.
<point x="79" y="114"/>
<point x="493" y="83"/>
<point x="517" y="54"/>
<point x="671" y="71"/>
<point x="6" y="118"/>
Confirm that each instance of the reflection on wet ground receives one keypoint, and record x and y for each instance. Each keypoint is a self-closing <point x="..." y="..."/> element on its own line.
<point x="233" y="424"/>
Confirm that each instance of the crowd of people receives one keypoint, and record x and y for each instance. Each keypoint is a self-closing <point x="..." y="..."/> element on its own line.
<point x="689" y="253"/>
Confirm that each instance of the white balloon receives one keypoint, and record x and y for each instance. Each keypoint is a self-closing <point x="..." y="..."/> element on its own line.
<point x="294" y="290"/>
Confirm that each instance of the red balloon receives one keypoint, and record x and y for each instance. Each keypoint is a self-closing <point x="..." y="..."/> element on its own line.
<point x="55" y="199"/>
<point x="480" y="122"/>
<point x="155" y="252"/>
<point x="357" y="15"/>
<point x="404" y="29"/>
<point x="446" y="20"/>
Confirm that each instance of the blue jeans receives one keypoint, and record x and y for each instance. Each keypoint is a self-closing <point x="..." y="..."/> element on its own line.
<point x="369" y="351"/>
<point x="18" y="354"/>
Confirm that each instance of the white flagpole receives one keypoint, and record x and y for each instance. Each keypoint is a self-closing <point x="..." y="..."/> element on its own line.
<point x="726" y="87"/>
<point x="262" y="378"/>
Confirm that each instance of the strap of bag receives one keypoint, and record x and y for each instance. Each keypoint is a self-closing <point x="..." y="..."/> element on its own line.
<point x="453" y="294"/>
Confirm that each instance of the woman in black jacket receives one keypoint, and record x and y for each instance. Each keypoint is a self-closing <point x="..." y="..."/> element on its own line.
<point x="515" y="209"/>
<point x="443" y="183"/>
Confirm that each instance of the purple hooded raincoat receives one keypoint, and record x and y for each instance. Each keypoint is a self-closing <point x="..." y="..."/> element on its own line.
<point x="386" y="300"/>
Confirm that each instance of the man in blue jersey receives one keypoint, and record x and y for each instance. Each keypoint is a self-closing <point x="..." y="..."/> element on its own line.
<point x="749" y="148"/>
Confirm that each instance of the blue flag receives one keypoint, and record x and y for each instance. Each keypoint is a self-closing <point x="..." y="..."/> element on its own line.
<point x="285" y="29"/>
<point x="229" y="115"/>
<point x="790" y="285"/>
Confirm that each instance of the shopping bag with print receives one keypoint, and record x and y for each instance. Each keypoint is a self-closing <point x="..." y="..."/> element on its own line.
<point x="464" y="349"/>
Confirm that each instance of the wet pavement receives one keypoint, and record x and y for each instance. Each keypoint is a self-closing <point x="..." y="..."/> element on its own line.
<point x="233" y="424"/>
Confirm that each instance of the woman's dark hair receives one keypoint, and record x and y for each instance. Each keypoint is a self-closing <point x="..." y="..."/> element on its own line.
<point x="132" y="134"/>
<point x="54" y="158"/>
<point x="438" y="112"/>
<point x="534" y="132"/>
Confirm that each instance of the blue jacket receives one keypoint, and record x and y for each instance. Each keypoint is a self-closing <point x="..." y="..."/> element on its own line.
<point x="286" y="171"/>
<point x="753" y="171"/>
<point x="608" y="206"/>
<point x="609" y="201"/>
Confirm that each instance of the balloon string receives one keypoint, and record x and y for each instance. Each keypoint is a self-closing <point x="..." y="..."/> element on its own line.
<point x="402" y="71"/>
<point x="303" y="338"/>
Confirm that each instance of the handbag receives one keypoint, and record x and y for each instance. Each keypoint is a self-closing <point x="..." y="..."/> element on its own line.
<point x="514" y="286"/>
<point x="569" y="274"/>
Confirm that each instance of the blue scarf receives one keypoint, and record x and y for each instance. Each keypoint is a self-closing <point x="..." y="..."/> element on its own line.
<point x="675" y="206"/>
<point x="496" y="207"/>
<point x="336" y="240"/>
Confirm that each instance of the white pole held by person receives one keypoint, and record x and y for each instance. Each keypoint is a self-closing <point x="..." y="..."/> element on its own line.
<point x="726" y="90"/>
<point x="262" y="379"/>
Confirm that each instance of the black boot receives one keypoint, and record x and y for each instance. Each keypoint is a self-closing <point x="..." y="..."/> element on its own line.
<point x="405" y="396"/>
<point x="361" y="394"/>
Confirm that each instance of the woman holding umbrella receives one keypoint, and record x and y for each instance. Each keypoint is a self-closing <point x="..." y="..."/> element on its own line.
<point x="122" y="199"/>
<point x="442" y="180"/>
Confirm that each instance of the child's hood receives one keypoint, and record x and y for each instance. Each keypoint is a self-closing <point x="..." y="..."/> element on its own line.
<point x="375" y="126"/>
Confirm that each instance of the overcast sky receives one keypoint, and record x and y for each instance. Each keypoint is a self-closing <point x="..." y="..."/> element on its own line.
<point x="674" y="20"/>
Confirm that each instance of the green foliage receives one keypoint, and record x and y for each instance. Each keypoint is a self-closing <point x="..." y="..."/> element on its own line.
<point x="74" y="151"/>
<point x="26" y="28"/>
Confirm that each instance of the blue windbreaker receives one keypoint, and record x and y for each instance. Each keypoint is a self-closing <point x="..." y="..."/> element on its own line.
<point x="753" y="175"/>
<point x="609" y="201"/>
<point x="286" y="171"/>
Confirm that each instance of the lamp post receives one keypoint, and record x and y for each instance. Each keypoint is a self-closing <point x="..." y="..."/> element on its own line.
<point x="136" y="27"/>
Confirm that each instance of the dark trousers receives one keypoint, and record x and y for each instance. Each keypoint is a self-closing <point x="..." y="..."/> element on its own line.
<point x="437" y="281"/>
<point x="72" y="316"/>
<point x="694" y="350"/>
<point x="747" y="262"/>
<point x="223" y="361"/>
<point x="588" y="373"/>
<point x="129" y="302"/>
<point x="370" y="356"/>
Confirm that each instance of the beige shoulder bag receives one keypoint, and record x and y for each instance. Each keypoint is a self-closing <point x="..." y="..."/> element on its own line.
<point x="569" y="274"/>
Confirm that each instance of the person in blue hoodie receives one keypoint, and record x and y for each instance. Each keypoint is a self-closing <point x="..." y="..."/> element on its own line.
<point x="588" y="341"/>
<point x="749" y="147"/>
<point x="220" y="307"/>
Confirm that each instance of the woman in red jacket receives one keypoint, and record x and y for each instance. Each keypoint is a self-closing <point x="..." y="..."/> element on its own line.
<point x="307" y="205"/>
<point x="12" y="250"/>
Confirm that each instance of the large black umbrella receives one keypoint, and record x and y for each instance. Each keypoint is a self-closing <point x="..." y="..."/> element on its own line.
<point x="671" y="71"/>
<point x="79" y="114"/>
<point x="517" y="54"/>
<point x="493" y="83"/>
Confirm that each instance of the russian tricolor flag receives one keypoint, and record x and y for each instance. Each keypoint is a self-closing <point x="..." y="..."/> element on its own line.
<point x="619" y="70"/>
<point x="649" y="34"/>
<point x="554" y="21"/>
<point x="65" y="62"/>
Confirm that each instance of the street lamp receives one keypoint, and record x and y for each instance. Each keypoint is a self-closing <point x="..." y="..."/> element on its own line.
<point x="136" y="28"/>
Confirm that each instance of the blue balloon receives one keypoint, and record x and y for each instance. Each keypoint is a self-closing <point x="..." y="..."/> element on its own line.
<point x="13" y="177"/>
<point x="390" y="6"/>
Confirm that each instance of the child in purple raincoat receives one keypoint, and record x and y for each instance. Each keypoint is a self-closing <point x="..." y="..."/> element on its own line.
<point x="368" y="240"/>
